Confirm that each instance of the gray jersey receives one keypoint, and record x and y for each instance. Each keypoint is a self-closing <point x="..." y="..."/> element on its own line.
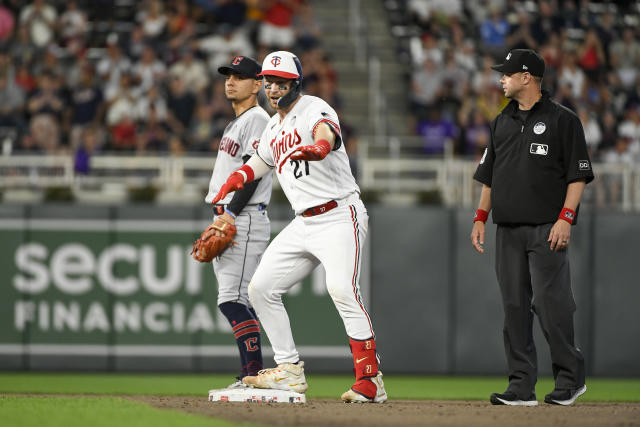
<point x="241" y="138"/>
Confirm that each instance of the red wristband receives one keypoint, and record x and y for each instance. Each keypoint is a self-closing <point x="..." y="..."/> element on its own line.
<point x="325" y="145"/>
<point x="567" y="214"/>
<point x="248" y="172"/>
<point x="481" y="215"/>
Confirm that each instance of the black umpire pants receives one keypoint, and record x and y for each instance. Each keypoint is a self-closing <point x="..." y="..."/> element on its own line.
<point x="535" y="279"/>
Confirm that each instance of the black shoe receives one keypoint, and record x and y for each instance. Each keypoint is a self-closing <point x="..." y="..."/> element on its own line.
<point x="511" y="399"/>
<point x="564" y="397"/>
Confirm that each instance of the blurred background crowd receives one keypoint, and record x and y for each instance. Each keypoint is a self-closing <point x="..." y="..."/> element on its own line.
<point x="89" y="76"/>
<point x="592" y="53"/>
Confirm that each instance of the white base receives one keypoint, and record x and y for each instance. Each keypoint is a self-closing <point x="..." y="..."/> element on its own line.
<point x="255" y="395"/>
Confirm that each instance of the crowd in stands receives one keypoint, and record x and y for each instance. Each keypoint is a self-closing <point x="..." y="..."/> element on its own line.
<point x="138" y="76"/>
<point x="592" y="54"/>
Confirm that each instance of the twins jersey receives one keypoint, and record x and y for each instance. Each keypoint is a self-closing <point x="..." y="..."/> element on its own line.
<point x="307" y="184"/>
<point x="240" y="138"/>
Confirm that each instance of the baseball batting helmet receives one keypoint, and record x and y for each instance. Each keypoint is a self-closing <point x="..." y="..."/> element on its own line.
<point x="284" y="64"/>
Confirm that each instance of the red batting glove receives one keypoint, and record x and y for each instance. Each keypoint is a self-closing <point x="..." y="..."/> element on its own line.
<point x="315" y="152"/>
<point x="234" y="182"/>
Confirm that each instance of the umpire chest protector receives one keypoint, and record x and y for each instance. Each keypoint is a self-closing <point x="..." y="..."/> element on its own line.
<point x="531" y="158"/>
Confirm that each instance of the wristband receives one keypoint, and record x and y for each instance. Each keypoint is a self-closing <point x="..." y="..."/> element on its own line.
<point x="326" y="146"/>
<point x="567" y="215"/>
<point x="230" y="213"/>
<point x="481" y="215"/>
<point x="247" y="172"/>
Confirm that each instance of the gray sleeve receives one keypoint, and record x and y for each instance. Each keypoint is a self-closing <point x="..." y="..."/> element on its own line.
<point x="252" y="130"/>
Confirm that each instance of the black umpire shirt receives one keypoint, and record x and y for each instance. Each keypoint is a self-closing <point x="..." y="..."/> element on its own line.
<point x="530" y="161"/>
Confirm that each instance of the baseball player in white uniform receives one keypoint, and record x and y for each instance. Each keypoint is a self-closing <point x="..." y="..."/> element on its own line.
<point x="246" y="209"/>
<point x="302" y="143"/>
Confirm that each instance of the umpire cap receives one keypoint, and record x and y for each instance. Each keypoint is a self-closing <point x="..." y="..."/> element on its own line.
<point x="522" y="60"/>
<point x="244" y="66"/>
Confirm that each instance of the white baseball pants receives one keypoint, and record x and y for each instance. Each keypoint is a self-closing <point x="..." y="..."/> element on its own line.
<point x="334" y="239"/>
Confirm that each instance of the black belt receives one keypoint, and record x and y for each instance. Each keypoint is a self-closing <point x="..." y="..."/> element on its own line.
<point x="219" y="209"/>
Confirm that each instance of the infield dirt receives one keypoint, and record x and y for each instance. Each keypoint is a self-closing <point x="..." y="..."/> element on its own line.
<point x="332" y="412"/>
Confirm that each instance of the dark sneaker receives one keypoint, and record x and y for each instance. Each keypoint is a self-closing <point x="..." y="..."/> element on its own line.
<point x="511" y="399"/>
<point x="564" y="396"/>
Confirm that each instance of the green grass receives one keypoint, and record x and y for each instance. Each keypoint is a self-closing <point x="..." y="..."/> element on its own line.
<point x="94" y="412"/>
<point x="320" y="386"/>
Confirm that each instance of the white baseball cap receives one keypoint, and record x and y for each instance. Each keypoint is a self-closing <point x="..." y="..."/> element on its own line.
<point x="282" y="64"/>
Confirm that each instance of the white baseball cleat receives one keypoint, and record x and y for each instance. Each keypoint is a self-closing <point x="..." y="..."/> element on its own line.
<point x="287" y="376"/>
<point x="350" y="396"/>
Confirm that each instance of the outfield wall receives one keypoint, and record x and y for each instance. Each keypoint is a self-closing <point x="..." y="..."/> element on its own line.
<point x="113" y="289"/>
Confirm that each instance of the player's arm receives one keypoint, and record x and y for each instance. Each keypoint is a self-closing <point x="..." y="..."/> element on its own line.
<point x="255" y="168"/>
<point x="241" y="197"/>
<point x="324" y="140"/>
<point x="481" y="216"/>
<point x="561" y="230"/>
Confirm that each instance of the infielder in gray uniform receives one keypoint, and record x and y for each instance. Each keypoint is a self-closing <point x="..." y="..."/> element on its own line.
<point x="246" y="209"/>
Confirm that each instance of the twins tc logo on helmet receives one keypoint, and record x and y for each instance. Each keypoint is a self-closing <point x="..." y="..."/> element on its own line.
<point x="237" y="60"/>
<point x="275" y="61"/>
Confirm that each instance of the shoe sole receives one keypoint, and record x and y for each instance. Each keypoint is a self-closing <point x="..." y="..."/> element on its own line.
<point x="568" y="402"/>
<point x="497" y="401"/>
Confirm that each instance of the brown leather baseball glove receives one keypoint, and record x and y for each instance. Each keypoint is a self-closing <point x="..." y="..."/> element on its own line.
<point x="211" y="245"/>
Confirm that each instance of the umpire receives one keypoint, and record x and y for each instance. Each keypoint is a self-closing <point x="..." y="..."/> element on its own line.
<point x="533" y="173"/>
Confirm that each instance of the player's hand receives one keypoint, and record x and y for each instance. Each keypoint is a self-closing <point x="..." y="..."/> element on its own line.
<point x="315" y="152"/>
<point x="214" y="231"/>
<point x="234" y="182"/>
<point x="477" y="236"/>
<point x="559" y="235"/>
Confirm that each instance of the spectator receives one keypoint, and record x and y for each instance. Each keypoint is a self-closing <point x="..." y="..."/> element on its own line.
<point x="494" y="32"/>
<point x="620" y="155"/>
<point x="276" y="31"/>
<point x="73" y="28"/>
<point x="153" y="133"/>
<point x="87" y="105"/>
<point x="121" y="101"/>
<point x="203" y="129"/>
<point x="476" y="134"/>
<point x="40" y="19"/>
<point x="12" y="102"/>
<point x="520" y="36"/>
<point x="154" y="102"/>
<point x="572" y="76"/>
<point x="485" y="78"/>
<point x="181" y="105"/>
<point x="7" y="24"/>
<point x="192" y="70"/>
<point x="427" y="83"/>
<point x="436" y="133"/>
<point x="548" y="22"/>
<point x="91" y="141"/>
<point x="221" y="47"/>
<point x="113" y="65"/>
<point x="153" y="20"/>
<point x="425" y="48"/>
<point x="591" y="55"/>
<point x="609" y="131"/>
<point x="45" y="106"/>
<point x="307" y="29"/>
<point x="630" y="128"/>
<point x="149" y="70"/>
<point x="23" y="51"/>
<point x="592" y="132"/>
<point x="625" y="57"/>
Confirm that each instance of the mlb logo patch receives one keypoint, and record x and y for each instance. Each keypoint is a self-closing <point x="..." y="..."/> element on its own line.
<point x="539" y="149"/>
<point x="584" y="165"/>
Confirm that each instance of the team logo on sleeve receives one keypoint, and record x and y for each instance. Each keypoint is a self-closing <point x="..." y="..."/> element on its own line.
<point x="539" y="128"/>
<point x="584" y="165"/>
<point x="539" y="149"/>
